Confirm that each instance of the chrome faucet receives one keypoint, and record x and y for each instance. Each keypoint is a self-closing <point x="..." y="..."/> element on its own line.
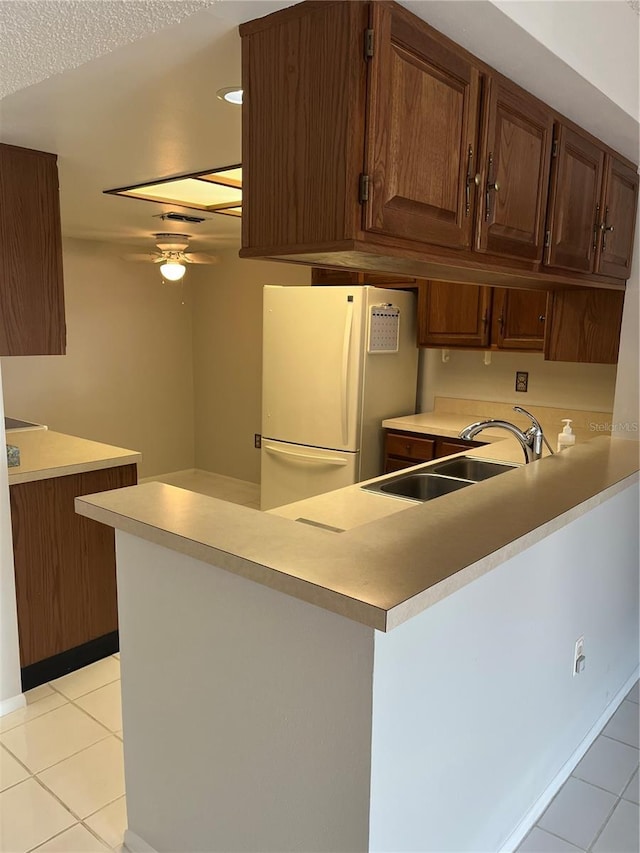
<point x="531" y="441"/>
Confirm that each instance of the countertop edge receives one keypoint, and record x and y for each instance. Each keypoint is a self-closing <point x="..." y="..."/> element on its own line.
<point x="420" y="602"/>
<point x="77" y="468"/>
<point x="337" y="602"/>
<point x="369" y="573"/>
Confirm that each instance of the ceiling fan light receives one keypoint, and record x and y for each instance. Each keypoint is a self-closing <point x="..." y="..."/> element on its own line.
<point x="172" y="270"/>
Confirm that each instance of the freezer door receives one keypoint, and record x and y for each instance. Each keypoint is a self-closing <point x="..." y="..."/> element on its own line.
<point x="291" y="472"/>
<point x="312" y="365"/>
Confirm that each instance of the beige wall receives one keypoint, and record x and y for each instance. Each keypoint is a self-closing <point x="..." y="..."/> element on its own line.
<point x="551" y="383"/>
<point x="626" y="413"/>
<point x="227" y="350"/>
<point x="127" y="378"/>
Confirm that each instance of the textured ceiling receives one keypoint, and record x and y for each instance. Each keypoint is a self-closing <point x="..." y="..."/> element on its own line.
<point x="40" y="38"/>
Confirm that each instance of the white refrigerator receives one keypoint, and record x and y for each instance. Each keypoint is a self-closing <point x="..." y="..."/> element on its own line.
<point x="336" y="362"/>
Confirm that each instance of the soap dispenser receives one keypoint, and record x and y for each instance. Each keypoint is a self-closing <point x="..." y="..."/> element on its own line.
<point x="566" y="438"/>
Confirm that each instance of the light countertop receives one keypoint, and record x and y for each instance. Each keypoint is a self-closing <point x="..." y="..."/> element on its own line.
<point x="45" y="454"/>
<point x="400" y="559"/>
<point x="450" y="415"/>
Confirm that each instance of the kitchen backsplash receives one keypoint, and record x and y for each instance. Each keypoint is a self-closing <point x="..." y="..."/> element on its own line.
<point x="588" y="387"/>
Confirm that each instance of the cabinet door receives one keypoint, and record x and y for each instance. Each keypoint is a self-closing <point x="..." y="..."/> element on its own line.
<point x="584" y="325"/>
<point x="453" y="315"/>
<point x="618" y="215"/>
<point x="575" y="202"/>
<point x="64" y="563"/>
<point x="420" y="151"/>
<point x="514" y="174"/>
<point x="31" y="287"/>
<point x="518" y="319"/>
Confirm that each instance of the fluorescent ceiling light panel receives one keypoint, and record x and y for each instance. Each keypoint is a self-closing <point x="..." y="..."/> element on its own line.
<point x="214" y="191"/>
<point x="230" y="211"/>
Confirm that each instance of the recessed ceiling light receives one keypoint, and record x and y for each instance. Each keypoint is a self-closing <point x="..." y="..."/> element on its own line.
<point x="232" y="95"/>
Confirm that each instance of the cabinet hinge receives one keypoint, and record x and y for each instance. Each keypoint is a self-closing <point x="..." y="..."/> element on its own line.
<point x="368" y="44"/>
<point x="363" y="193"/>
<point x="547" y="239"/>
<point x="554" y="152"/>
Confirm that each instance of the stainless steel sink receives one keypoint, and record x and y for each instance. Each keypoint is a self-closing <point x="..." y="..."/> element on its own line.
<point x="469" y="468"/>
<point x="419" y="486"/>
<point x="440" y="478"/>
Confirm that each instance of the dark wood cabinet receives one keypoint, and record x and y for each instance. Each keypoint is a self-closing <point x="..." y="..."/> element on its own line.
<point x="463" y="315"/>
<point x="584" y="326"/>
<point x="592" y="208"/>
<point x="518" y="319"/>
<point x="453" y="315"/>
<point x="372" y="142"/>
<point x="573" y="224"/>
<point x="65" y="572"/>
<point x="617" y="219"/>
<point x="421" y="133"/>
<point x="514" y="175"/>
<point x="31" y="286"/>
<point x="403" y="448"/>
<point x="322" y="276"/>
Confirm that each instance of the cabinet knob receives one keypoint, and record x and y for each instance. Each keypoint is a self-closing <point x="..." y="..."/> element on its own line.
<point x="542" y="318"/>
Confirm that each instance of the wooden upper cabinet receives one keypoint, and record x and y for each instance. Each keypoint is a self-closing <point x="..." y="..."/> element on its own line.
<point x="453" y="315"/>
<point x="518" y="319"/>
<point x="592" y="208"/>
<point x="574" y="203"/>
<point x="421" y="133"/>
<point x="514" y="176"/>
<point x="370" y="141"/>
<point x="584" y="326"/>
<point x="464" y="315"/>
<point x="618" y="218"/>
<point x="31" y="287"/>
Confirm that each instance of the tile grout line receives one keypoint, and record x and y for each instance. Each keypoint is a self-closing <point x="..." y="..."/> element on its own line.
<point x="602" y="828"/>
<point x="555" y="835"/>
<point x="51" y="837"/>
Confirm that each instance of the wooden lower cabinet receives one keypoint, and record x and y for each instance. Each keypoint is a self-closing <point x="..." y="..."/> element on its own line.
<point x="403" y="448"/>
<point x="65" y="571"/>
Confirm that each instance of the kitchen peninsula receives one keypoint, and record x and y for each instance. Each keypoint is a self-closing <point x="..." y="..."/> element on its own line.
<point x="339" y="682"/>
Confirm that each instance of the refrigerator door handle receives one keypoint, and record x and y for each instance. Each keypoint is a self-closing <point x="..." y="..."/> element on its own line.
<point x="306" y="457"/>
<point x="344" y="379"/>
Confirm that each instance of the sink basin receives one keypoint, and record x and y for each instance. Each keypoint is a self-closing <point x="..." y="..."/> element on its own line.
<point x="440" y="478"/>
<point x="420" y="486"/>
<point x="468" y="468"/>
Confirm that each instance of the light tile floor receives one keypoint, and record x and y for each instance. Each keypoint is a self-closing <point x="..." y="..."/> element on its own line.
<point x="61" y="766"/>
<point x="597" y="810"/>
<point x="62" y="780"/>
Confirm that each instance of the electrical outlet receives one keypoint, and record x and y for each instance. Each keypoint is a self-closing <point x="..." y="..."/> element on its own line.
<point x="579" y="658"/>
<point x="522" y="380"/>
<point x="257" y="440"/>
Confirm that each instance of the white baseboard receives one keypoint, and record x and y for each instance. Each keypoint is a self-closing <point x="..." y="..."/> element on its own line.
<point x="7" y="706"/>
<point x="134" y="844"/>
<point x="531" y="817"/>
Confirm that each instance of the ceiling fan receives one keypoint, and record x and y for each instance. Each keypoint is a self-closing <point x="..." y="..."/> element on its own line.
<point x="172" y="256"/>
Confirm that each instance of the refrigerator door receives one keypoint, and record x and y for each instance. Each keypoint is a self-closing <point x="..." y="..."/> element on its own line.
<point x="312" y="365"/>
<point x="292" y="472"/>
